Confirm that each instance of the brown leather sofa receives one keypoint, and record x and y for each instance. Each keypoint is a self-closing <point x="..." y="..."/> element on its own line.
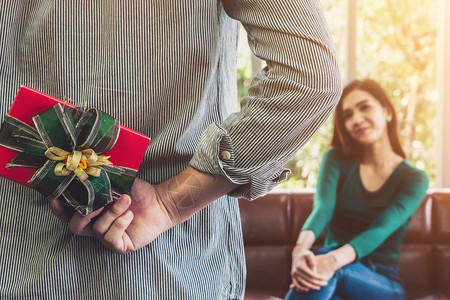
<point x="272" y="223"/>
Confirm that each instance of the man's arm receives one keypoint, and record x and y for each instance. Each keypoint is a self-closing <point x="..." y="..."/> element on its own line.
<point x="136" y="220"/>
<point x="287" y="101"/>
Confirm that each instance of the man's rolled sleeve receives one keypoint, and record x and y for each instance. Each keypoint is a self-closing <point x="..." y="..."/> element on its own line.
<point x="254" y="183"/>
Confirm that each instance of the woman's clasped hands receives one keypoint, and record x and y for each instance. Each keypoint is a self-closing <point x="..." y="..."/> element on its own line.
<point x="310" y="271"/>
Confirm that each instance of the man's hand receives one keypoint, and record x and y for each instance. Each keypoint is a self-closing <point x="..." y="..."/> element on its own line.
<point x="135" y="221"/>
<point x="129" y="224"/>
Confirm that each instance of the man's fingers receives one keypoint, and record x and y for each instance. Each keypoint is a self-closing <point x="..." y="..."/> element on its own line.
<point x="61" y="211"/>
<point x="102" y="225"/>
<point x="81" y="225"/>
<point x="116" y="238"/>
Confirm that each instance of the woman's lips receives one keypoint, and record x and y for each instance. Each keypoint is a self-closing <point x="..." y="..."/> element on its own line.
<point x="362" y="130"/>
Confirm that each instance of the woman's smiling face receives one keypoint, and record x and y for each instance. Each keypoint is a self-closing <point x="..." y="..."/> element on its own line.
<point x="364" y="117"/>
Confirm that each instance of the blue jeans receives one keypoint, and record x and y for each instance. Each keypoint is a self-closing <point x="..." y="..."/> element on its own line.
<point x="359" y="280"/>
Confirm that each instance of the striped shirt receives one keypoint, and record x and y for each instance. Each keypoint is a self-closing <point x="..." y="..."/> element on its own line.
<point x="166" y="69"/>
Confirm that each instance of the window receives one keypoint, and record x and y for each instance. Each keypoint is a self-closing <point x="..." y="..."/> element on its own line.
<point x="393" y="42"/>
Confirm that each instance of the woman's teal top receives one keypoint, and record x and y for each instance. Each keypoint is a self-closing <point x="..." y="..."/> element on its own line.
<point x="373" y="222"/>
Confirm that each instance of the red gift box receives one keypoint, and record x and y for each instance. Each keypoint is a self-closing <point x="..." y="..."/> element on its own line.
<point x="29" y="102"/>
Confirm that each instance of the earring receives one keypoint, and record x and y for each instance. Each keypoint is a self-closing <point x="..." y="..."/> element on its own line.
<point x="389" y="119"/>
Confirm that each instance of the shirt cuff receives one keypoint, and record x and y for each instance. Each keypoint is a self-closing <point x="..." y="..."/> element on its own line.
<point x="215" y="155"/>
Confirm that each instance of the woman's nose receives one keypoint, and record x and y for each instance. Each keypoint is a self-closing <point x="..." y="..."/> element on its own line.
<point x="356" y="118"/>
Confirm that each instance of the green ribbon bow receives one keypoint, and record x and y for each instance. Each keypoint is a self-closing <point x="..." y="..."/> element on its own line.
<point x="66" y="149"/>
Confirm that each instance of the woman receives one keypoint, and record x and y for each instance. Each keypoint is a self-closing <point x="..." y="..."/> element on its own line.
<point x="366" y="194"/>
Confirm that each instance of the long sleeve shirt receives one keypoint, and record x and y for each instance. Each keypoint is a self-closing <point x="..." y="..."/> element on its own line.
<point x="374" y="223"/>
<point x="166" y="69"/>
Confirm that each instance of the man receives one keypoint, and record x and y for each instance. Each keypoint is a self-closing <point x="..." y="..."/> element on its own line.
<point x="166" y="69"/>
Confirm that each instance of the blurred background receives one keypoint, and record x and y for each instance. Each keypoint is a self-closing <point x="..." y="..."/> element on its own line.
<point x="400" y="44"/>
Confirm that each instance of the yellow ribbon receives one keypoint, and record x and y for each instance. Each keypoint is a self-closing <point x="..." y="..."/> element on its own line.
<point x="83" y="163"/>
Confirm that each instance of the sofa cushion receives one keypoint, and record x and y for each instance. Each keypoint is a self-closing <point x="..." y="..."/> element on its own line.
<point x="416" y="266"/>
<point x="441" y="260"/>
<point x="265" y="221"/>
<point x="301" y="207"/>
<point x="441" y="217"/>
<point x="268" y="267"/>
<point x="420" y="226"/>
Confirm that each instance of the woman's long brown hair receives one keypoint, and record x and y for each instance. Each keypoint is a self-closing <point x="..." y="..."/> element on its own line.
<point x="342" y="139"/>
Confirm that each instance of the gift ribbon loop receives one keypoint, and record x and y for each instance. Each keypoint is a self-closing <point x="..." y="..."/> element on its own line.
<point x="102" y="133"/>
<point x="83" y="163"/>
